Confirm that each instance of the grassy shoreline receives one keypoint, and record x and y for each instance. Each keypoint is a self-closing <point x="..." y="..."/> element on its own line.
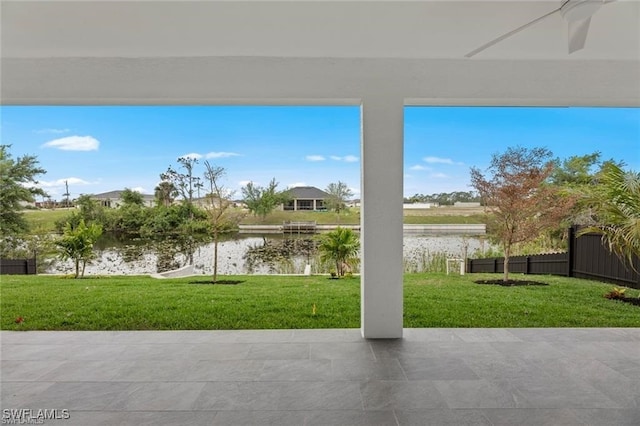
<point x="277" y="302"/>
<point x="43" y="221"/>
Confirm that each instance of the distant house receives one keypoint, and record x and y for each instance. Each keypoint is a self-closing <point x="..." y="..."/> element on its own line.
<point x="113" y="199"/>
<point x="28" y="204"/>
<point x="418" y="206"/>
<point x="354" y="203"/>
<point x="306" y="198"/>
<point x="207" y="202"/>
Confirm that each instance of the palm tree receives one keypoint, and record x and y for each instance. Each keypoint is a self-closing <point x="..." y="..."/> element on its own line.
<point x="341" y="246"/>
<point x="165" y="193"/>
<point x="616" y="204"/>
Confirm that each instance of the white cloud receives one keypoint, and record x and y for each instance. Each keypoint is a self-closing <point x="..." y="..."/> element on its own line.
<point x="440" y="160"/>
<point x="419" y="167"/>
<point x="346" y="158"/>
<point x="296" y="184"/>
<point x="74" y="143"/>
<point x="221" y="154"/>
<point x="61" y="182"/>
<point x="138" y="189"/>
<point x="437" y="160"/>
<point x="315" y="158"/>
<point x="57" y="187"/>
<point x="54" y="131"/>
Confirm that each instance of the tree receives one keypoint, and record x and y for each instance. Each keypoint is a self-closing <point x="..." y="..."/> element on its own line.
<point x="198" y="185"/>
<point x="183" y="182"/>
<point x="165" y="193"/>
<point x="576" y="170"/>
<point x="340" y="246"/>
<point x="132" y="198"/>
<point x="77" y="244"/>
<point x="262" y="201"/>
<point x="615" y="203"/>
<point x="444" y="198"/>
<point x="218" y="206"/>
<point x="17" y="178"/>
<point x="522" y="204"/>
<point x="339" y="193"/>
<point x="88" y="210"/>
<point x="577" y="176"/>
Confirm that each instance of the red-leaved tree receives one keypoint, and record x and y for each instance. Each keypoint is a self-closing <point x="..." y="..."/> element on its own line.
<point x="522" y="204"/>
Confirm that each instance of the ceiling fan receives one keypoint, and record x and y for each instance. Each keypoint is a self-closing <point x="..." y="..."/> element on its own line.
<point x="577" y="14"/>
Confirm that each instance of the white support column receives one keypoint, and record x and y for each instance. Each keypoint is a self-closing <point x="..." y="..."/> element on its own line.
<point x="382" y="121"/>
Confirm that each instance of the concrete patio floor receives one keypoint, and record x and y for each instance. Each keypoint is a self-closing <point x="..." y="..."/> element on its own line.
<point x="326" y="377"/>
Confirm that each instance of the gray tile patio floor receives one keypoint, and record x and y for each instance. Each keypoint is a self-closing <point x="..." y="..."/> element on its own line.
<point x="326" y="377"/>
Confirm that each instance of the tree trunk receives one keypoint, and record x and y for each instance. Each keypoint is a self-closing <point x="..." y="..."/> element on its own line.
<point x="77" y="268"/>
<point x="84" y="265"/>
<point x="215" y="256"/>
<point x="507" y="253"/>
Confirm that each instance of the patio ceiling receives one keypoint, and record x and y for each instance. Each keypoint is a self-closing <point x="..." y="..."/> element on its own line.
<point x="323" y="51"/>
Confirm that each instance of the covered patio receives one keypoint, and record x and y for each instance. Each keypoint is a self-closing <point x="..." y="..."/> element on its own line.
<point x="327" y="377"/>
<point x="381" y="55"/>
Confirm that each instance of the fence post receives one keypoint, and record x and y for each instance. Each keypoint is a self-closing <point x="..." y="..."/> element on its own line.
<point x="570" y="250"/>
<point x="526" y="265"/>
<point x="495" y="265"/>
<point x="30" y="266"/>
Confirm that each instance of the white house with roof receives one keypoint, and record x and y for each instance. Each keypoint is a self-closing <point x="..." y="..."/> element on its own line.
<point x="306" y="198"/>
<point x="113" y="199"/>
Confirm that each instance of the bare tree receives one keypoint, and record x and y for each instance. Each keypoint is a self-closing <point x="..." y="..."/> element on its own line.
<point x="218" y="206"/>
<point x="522" y="204"/>
<point x="339" y="193"/>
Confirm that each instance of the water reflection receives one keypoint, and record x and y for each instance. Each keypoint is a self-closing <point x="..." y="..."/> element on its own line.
<point x="257" y="254"/>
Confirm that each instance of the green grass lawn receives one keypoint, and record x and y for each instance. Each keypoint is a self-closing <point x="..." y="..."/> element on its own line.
<point x="443" y="219"/>
<point x="350" y="217"/>
<point x="44" y="221"/>
<point x="262" y="302"/>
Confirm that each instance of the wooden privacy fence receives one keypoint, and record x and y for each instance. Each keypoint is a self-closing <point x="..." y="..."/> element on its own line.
<point x="18" y="266"/>
<point x="587" y="258"/>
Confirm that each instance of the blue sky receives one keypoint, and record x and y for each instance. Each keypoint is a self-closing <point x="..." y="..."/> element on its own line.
<point x="99" y="149"/>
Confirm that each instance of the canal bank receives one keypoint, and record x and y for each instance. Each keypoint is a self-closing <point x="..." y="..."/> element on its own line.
<point x="312" y="227"/>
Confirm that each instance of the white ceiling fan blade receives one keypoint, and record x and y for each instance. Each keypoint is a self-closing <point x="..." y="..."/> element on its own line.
<point x="509" y="34"/>
<point x="578" y="31"/>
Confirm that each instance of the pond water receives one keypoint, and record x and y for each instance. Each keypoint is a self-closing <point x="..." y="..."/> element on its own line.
<point x="258" y="254"/>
